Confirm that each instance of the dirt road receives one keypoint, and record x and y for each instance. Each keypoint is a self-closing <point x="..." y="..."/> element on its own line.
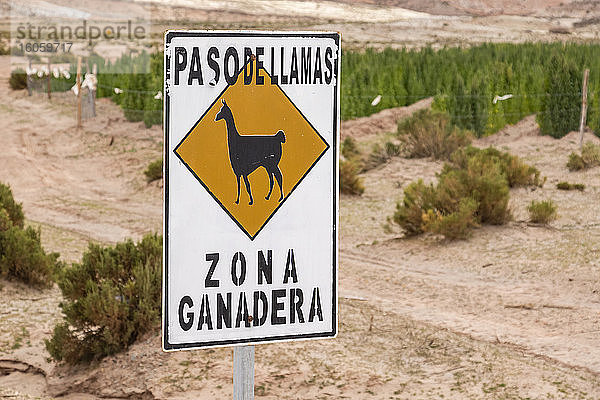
<point x="75" y="180"/>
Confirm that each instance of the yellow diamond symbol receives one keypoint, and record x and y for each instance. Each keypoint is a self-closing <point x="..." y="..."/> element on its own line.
<point x="251" y="149"/>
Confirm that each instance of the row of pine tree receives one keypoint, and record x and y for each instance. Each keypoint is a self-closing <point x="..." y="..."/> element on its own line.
<point x="543" y="78"/>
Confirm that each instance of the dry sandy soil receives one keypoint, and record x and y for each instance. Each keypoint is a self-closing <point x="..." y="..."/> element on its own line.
<point x="512" y="313"/>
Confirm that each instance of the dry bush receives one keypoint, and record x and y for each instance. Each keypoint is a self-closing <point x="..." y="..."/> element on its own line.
<point x="418" y="199"/>
<point x="517" y="173"/>
<point x="381" y="154"/>
<point x="589" y="158"/>
<point x="350" y="182"/>
<point x="482" y="179"/>
<point x="575" y="162"/>
<point x="473" y="189"/>
<point x="349" y="149"/>
<point x="456" y="225"/>
<point x="590" y="153"/>
<point x="542" y="212"/>
<point x="430" y="134"/>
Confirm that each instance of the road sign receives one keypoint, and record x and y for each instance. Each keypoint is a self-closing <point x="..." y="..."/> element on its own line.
<point x="251" y="150"/>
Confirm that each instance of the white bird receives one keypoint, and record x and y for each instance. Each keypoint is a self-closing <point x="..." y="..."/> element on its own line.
<point x="501" y="98"/>
<point x="56" y="73"/>
<point x="376" y="100"/>
<point x="158" y="95"/>
<point x="89" y="81"/>
<point x="118" y="91"/>
<point x="66" y="74"/>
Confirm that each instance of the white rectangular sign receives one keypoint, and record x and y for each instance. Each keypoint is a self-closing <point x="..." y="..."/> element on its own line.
<point x="251" y="206"/>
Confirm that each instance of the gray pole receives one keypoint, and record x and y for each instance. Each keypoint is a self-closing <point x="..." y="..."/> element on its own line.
<point x="243" y="373"/>
<point x="584" y="96"/>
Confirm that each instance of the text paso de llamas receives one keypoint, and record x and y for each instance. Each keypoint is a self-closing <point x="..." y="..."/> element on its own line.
<point x="304" y="66"/>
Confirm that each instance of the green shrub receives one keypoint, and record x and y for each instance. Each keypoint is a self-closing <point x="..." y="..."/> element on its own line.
<point x="575" y="162"/>
<point x="154" y="170"/>
<point x="561" y="105"/>
<point x="483" y="179"/>
<point x="517" y="173"/>
<point x="350" y="182"/>
<point x="456" y="225"/>
<point x="18" y="79"/>
<point x="418" y="199"/>
<point x="8" y="203"/>
<point x="472" y="189"/>
<point x="570" y="186"/>
<point x="22" y="257"/>
<point x="111" y="298"/>
<point x="542" y="211"/>
<point x="430" y="134"/>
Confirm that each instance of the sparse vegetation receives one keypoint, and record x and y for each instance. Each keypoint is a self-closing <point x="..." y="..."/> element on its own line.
<point x="589" y="158"/>
<point x="381" y="154"/>
<point x="590" y="153"/>
<point x="350" y="182"/>
<point x="349" y="149"/>
<point x="22" y="257"/>
<point x="111" y="298"/>
<point x="575" y="162"/>
<point x="472" y="189"/>
<point x="570" y="186"/>
<point x="431" y="134"/>
<point x="542" y="212"/>
<point x="154" y="171"/>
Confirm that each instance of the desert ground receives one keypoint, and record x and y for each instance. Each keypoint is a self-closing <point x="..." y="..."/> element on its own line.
<point x="511" y="313"/>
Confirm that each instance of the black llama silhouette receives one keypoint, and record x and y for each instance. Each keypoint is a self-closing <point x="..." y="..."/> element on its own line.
<point x="249" y="152"/>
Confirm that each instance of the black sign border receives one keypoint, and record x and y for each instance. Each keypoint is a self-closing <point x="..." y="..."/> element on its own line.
<point x="169" y="36"/>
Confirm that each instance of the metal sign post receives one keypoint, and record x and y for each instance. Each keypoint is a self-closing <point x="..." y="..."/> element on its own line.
<point x="243" y="373"/>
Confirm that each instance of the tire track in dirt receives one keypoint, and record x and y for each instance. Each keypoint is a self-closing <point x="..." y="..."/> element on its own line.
<point x="532" y="316"/>
<point x="73" y="179"/>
